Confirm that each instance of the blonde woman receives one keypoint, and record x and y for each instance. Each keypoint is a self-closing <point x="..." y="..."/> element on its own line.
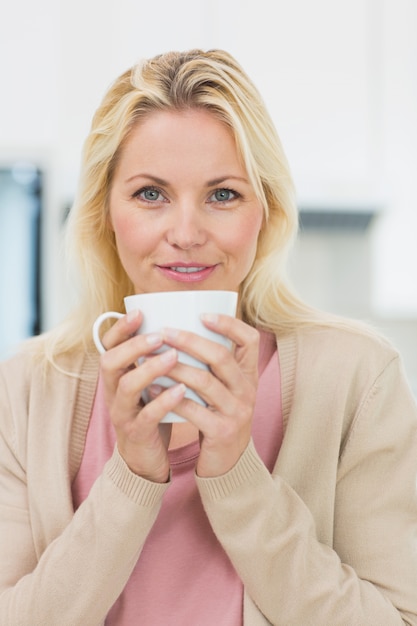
<point x="291" y="498"/>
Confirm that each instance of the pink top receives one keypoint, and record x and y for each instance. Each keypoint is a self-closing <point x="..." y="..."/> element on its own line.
<point x="183" y="575"/>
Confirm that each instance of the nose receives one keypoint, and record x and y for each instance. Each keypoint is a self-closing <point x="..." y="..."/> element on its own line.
<point x="187" y="227"/>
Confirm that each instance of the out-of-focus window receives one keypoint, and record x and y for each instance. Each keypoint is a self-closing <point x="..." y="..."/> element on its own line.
<point x="20" y="228"/>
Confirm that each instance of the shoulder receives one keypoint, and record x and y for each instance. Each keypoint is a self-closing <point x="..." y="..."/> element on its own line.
<point x="340" y="342"/>
<point x="30" y="366"/>
<point x="336" y="358"/>
<point x="32" y="389"/>
<point x="18" y="369"/>
<point x="330" y="371"/>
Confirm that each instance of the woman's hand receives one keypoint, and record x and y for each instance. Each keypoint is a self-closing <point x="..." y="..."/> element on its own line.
<point x="142" y="441"/>
<point x="229" y="389"/>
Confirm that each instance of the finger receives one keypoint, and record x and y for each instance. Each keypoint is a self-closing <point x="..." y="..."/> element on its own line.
<point x="123" y="358"/>
<point x="125" y="355"/>
<point x="222" y="439"/>
<point x="219" y="395"/>
<point x="129" y="389"/>
<point x="245" y="337"/>
<point x="164" y="403"/>
<point x="232" y="327"/>
<point x="238" y="332"/>
<point x="212" y="361"/>
<point x="124" y="328"/>
<point x="226" y="365"/>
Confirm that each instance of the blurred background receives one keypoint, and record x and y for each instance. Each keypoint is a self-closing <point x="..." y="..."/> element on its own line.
<point x="340" y="81"/>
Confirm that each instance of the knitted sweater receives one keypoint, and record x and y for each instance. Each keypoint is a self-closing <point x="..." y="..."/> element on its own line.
<point x="329" y="539"/>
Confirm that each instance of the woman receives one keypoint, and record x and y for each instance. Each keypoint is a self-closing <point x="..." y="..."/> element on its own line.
<point x="291" y="498"/>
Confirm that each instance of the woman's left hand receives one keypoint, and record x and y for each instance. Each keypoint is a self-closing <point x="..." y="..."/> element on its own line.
<point x="229" y="388"/>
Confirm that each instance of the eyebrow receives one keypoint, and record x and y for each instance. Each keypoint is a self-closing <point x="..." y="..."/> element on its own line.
<point x="210" y="183"/>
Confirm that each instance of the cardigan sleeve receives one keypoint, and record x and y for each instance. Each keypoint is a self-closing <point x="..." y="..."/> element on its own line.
<point x="368" y="577"/>
<point x="80" y="574"/>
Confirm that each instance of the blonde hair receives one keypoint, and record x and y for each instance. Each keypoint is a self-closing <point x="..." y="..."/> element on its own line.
<point x="214" y="81"/>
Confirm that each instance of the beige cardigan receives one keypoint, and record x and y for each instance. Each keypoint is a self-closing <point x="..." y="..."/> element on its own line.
<point x="330" y="539"/>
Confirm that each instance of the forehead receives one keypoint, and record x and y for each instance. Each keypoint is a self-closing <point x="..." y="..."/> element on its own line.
<point x="195" y="136"/>
<point x="160" y="124"/>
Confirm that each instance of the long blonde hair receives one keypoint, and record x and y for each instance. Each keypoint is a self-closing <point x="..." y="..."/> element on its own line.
<point x="176" y="81"/>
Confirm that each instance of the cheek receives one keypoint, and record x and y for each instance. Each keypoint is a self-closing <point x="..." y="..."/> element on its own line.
<point x="123" y="234"/>
<point x="245" y="240"/>
<point x="128" y="232"/>
<point x="121" y="218"/>
<point x="249" y="232"/>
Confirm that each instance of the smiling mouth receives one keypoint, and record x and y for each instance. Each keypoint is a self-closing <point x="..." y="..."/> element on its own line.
<point x="187" y="270"/>
<point x="187" y="273"/>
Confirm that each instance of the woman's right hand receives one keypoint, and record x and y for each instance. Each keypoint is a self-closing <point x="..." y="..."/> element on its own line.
<point x="141" y="440"/>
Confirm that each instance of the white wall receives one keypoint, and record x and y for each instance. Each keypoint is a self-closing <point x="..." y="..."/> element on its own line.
<point x="338" y="77"/>
<point x="395" y="284"/>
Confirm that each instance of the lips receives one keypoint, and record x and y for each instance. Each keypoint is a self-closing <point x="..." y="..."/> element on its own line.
<point x="186" y="272"/>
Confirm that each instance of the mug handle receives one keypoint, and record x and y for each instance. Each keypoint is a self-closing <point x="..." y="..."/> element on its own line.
<point x="96" y="328"/>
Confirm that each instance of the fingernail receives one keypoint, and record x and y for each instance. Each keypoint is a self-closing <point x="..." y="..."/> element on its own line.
<point x="170" y="333"/>
<point x="177" y="390"/>
<point x="153" y="338"/>
<point x="169" y="355"/>
<point x="132" y="315"/>
<point x="212" y="318"/>
<point x="155" y="389"/>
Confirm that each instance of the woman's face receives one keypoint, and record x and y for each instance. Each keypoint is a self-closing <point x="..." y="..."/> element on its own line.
<point x="183" y="211"/>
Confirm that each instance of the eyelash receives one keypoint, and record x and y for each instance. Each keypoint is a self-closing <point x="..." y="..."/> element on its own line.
<point x="231" y="191"/>
<point x="139" y="194"/>
<point x="142" y="190"/>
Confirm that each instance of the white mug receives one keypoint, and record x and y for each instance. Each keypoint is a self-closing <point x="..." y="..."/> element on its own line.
<point x="180" y="310"/>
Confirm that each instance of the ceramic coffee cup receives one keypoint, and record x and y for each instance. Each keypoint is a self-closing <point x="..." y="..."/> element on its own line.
<point x="180" y="310"/>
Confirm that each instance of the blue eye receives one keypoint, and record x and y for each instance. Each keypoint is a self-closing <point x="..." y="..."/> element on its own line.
<point x="223" y="195"/>
<point x="149" y="194"/>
